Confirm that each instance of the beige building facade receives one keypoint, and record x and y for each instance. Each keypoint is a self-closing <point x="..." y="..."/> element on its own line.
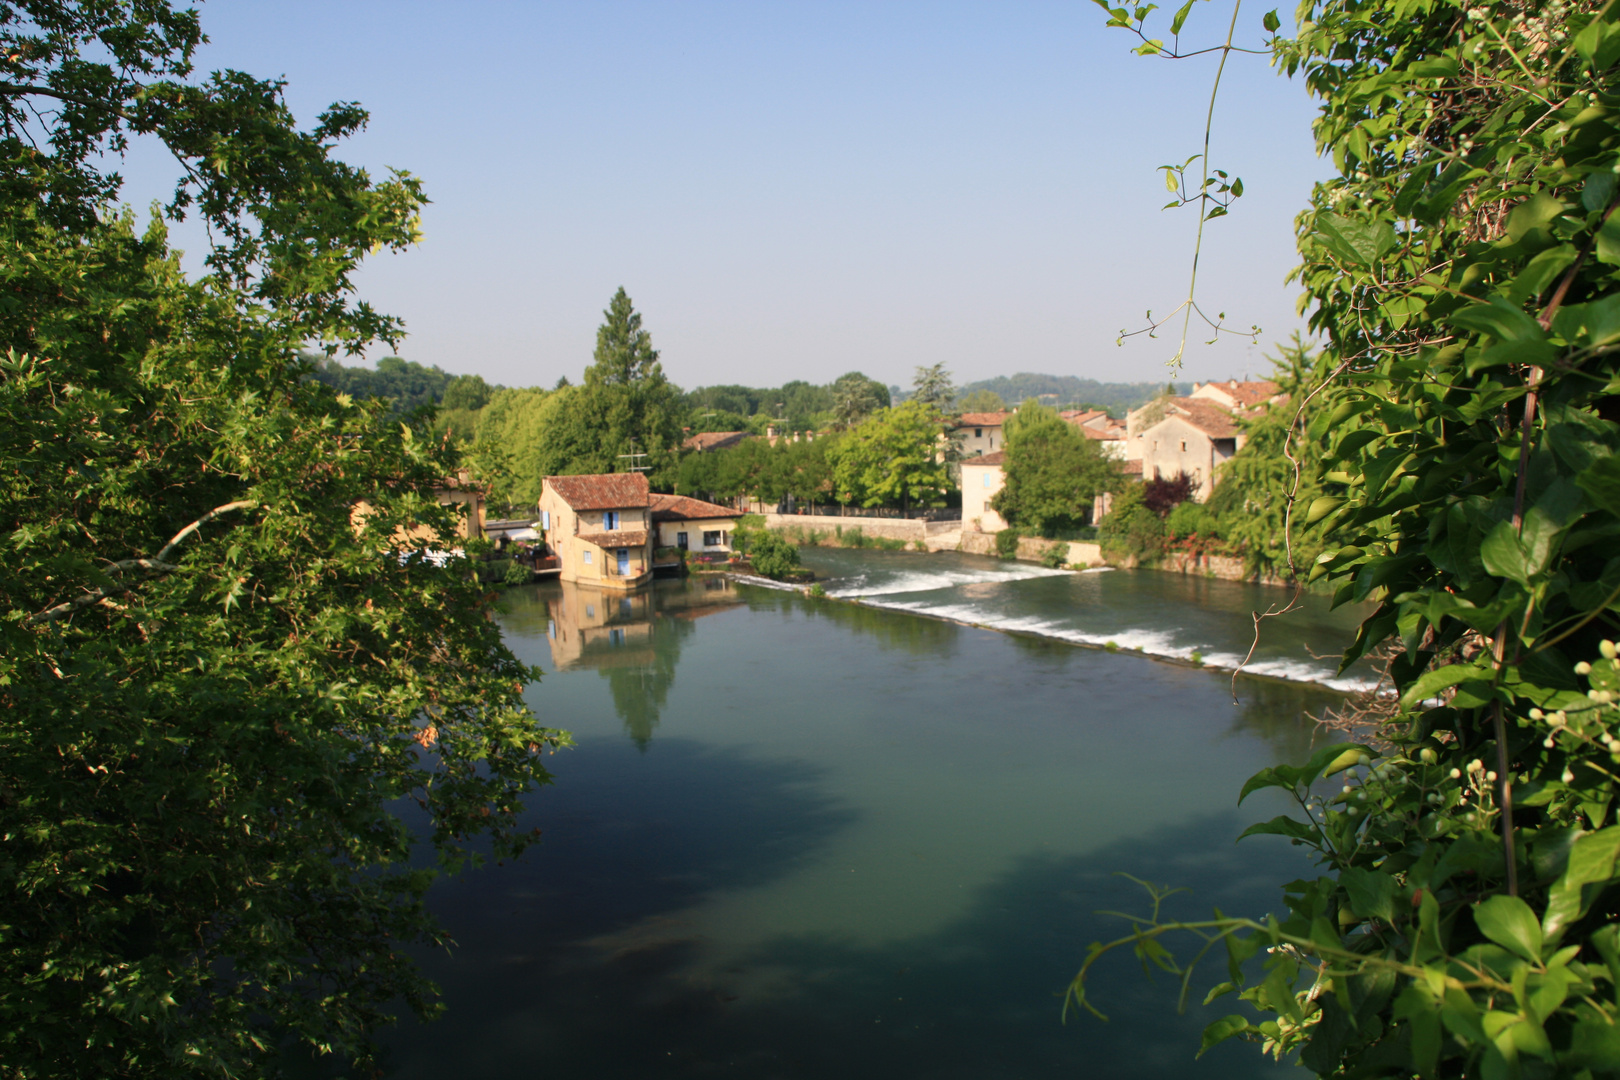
<point x="979" y="434"/>
<point x="599" y="528"/>
<point x="982" y="477"/>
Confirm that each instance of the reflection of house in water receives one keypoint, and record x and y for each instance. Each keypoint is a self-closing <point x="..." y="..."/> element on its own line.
<point x="633" y="640"/>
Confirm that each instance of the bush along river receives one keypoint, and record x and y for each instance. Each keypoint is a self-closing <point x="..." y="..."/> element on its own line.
<point x="814" y="838"/>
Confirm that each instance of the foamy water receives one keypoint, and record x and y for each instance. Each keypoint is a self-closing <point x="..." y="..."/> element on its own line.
<point x="1167" y="616"/>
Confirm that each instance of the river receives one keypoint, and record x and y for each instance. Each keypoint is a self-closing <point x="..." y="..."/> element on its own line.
<point x="863" y="837"/>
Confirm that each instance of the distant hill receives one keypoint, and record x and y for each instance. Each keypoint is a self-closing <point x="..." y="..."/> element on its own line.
<point x="1064" y="390"/>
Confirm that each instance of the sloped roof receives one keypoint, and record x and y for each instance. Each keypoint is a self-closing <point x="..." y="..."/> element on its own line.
<point x="714" y="440"/>
<point x="616" y="539"/>
<point x="1084" y="417"/>
<point x="1206" y="416"/>
<point x="682" y="508"/>
<point x="603" y="491"/>
<point x="1247" y="394"/>
<point x="983" y="419"/>
<point x="986" y="459"/>
<point x="1102" y="434"/>
<point x="1131" y="467"/>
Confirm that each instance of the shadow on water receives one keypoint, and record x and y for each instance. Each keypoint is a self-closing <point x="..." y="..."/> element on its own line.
<point x="979" y="999"/>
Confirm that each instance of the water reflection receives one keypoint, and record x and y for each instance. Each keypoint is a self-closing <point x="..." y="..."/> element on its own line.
<point x="634" y="642"/>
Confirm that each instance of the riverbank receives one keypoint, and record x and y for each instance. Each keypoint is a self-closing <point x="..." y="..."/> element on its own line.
<point x="931" y="537"/>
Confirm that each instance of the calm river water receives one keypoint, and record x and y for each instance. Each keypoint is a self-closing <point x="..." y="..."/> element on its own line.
<point x="817" y="839"/>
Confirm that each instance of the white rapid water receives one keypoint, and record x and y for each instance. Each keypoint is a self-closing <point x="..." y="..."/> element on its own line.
<point x="1156" y="614"/>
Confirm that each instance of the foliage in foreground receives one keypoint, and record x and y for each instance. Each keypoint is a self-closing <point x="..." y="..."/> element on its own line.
<point x="215" y="689"/>
<point x="1465" y="270"/>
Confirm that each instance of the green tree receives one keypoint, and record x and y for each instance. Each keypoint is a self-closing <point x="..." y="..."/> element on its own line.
<point x="213" y="689"/>
<point x="855" y="397"/>
<point x="1463" y="267"/>
<point x="982" y="401"/>
<point x="1053" y="472"/>
<point x="627" y="405"/>
<point x="932" y="386"/>
<point x="892" y="458"/>
<point x="468" y="392"/>
<point x="772" y="556"/>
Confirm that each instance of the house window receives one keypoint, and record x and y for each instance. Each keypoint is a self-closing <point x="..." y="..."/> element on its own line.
<point x="986" y="479"/>
<point x="587" y="556"/>
<point x="590" y="611"/>
<point x="545" y="519"/>
<point x="610" y="520"/>
<point x="1183" y="446"/>
<point x="978" y="433"/>
<point x="712" y="539"/>
<point x="680" y="540"/>
<point x="616" y="636"/>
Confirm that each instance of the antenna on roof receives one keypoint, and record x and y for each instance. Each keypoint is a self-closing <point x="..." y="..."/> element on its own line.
<point x="636" y="462"/>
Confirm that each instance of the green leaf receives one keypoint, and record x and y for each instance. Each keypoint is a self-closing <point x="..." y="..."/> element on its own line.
<point x="1499" y="319"/>
<point x="1372" y="893"/>
<point x="1321" y="507"/>
<point x="1601" y="480"/>
<point x="1360" y="243"/>
<point x="1284" y="825"/>
<point x="1510" y="923"/>
<point x="1270" y="21"/>
<point x="1181" y="16"/>
<point x="1504" y="556"/>
<point x="1221" y="1030"/>
<point x="1283" y="776"/>
<point x="1433" y="681"/>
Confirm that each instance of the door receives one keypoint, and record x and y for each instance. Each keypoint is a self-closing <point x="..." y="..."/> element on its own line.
<point x="624" y="562"/>
<point x="680" y="540"/>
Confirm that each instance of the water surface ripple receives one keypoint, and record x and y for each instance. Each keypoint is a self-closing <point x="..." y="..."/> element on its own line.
<point x="823" y="840"/>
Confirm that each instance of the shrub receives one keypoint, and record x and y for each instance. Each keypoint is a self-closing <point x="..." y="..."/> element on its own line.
<point x="772" y="556"/>
<point x="817" y="591"/>
<point x="1132" y="530"/>
<point x="517" y="574"/>
<point x="1056" y="556"/>
<point x="1190" y="518"/>
<point x="1163" y="494"/>
<point x="1007" y="543"/>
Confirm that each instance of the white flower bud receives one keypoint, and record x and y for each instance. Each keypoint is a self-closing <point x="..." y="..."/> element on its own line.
<point x="1456" y="774"/>
<point x="1583" y="668"/>
<point x="1569" y="774"/>
<point x="1607" y="649"/>
<point x="1491" y="776"/>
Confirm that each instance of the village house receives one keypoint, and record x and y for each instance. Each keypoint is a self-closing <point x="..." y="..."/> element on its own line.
<point x="692" y="524"/>
<point x="980" y="433"/>
<point x="459" y="492"/>
<point x="1196" y="437"/>
<point x="982" y="477"/>
<point x="1238" y="397"/>
<point x="599" y="528"/>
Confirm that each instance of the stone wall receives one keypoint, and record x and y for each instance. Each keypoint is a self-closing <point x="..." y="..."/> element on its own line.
<point x="907" y="529"/>
<point x="1225" y="567"/>
<point x="1031" y="548"/>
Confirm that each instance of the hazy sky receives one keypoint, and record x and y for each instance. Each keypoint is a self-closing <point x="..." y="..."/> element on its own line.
<point x="794" y="190"/>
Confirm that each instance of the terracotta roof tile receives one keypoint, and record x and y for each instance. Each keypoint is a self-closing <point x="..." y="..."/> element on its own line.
<point x="617" y="539"/>
<point x="682" y="508"/>
<point x="996" y="458"/>
<point x="1246" y="394"/>
<point x="604" y="491"/>
<point x="714" y="440"/>
<point x="982" y="419"/>
<point x="1206" y="416"/>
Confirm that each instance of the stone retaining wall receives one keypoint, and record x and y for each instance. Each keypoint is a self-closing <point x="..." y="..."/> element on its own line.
<point x="1031" y="548"/>
<point x="907" y="529"/>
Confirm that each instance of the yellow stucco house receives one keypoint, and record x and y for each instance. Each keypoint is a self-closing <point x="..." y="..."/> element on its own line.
<point x="693" y="525"/>
<point x="599" y="528"/>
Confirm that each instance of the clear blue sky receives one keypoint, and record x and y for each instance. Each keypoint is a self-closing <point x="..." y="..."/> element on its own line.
<point x="794" y="190"/>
